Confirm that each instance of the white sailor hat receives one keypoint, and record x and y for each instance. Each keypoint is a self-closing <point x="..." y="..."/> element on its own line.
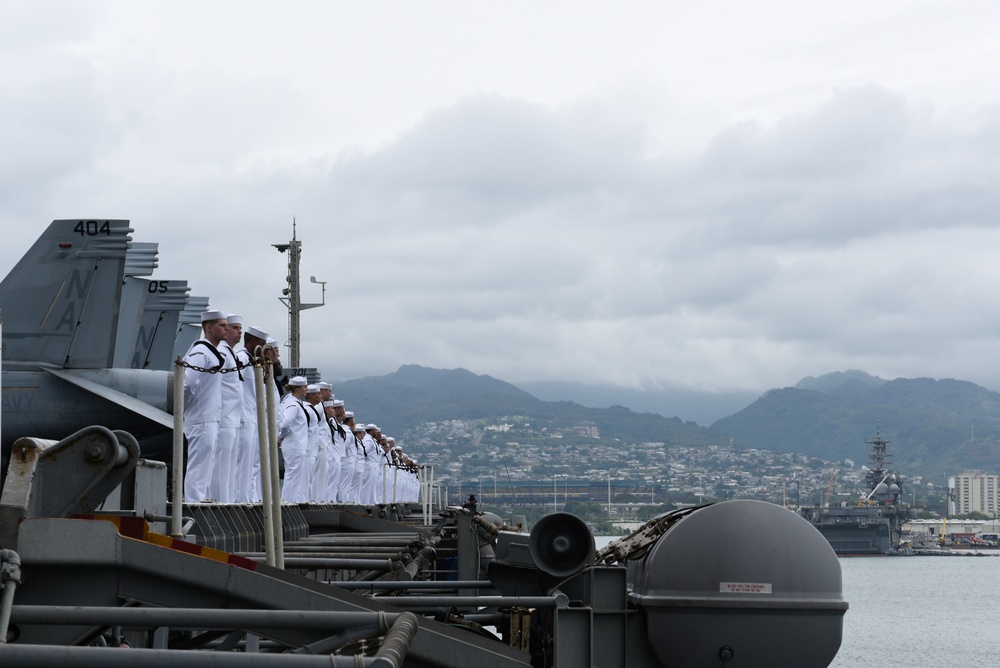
<point x="312" y="389"/>
<point x="271" y="343"/>
<point x="397" y="448"/>
<point x="255" y="331"/>
<point x="369" y="427"/>
<point x="390" y="439"/>
<point x="347" y="414"/>
<point x="328" y="404"/>
<point x="323" y="385"/>
<point x="359" y="427"/>
<point x="297" y="381"/>
<point x="212" y="315"/>
<point x="234" y="319"/>
<point x="338" y="402"/>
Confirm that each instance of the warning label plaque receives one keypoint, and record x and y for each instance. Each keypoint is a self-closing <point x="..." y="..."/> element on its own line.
<point x="745" y="587"/>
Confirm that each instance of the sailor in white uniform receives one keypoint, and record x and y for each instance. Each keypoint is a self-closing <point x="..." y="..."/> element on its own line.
<point x="319" y="436"/>
<point x="373" y="451"/>
<point x="338" y="437"/>
<point x="326" y="397"/>
<point x="272" y="353"/>
<point x="203" y="406"/>
<point x="415" y="489"/>
<point x="223" y="479"/>
<point x="347" y="461"/>
<point x="294" y="419"/>
<point x="382" y="491"/>
<point x="247" y="444"/>
<point x="360" y="464"/>
<point x="388" y="468"/>
<point x="395" y="486"/>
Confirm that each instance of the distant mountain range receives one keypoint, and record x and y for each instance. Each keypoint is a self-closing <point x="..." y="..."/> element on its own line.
<point x="702" y="407"/>
<point x="937" y="427"/>
<point x="414" y="394"/>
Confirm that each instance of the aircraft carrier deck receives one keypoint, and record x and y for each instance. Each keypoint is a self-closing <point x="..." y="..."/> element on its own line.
<point x="738" y="583"/>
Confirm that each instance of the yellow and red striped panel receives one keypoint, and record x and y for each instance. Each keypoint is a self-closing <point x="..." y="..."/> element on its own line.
<point x="137" y="528"/>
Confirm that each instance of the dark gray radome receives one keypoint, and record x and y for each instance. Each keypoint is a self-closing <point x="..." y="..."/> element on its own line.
<point x="739" y="584"/>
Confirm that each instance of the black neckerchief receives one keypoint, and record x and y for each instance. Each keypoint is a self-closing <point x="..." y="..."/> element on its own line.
<point x="215" y="351"/>
<point x="236" y="360"/>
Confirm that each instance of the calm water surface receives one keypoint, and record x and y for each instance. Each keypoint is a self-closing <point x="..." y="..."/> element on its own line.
<point x="920" y="611"/>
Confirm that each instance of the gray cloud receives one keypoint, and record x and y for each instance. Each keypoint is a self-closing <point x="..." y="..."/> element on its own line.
<point x="581" y="237"/>
<point x="788" y="250"/>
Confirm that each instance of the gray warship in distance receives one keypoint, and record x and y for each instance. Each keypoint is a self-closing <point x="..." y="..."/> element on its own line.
<point x="871" y="525"/>
<point x="90" y="577"/>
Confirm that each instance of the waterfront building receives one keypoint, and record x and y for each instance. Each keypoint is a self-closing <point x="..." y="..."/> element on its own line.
<point x="934" y="528"/>
<point x="972" y="491"/>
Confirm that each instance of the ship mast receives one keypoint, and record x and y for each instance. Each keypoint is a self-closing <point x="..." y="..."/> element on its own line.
<point x="879" y="453"/>
<point x="882" y="482"/>
<point x="292" y="295"/>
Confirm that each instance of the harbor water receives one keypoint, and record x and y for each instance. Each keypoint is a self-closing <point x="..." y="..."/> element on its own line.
<point x="920" y="611"/>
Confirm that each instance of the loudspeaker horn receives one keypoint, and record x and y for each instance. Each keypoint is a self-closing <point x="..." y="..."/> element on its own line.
<point x="561" y="544"/>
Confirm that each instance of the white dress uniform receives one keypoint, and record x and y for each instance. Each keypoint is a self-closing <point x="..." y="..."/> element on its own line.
<point x="384" y="483"/>
<point x="319" y="452"/>
<point x="371" y="467"/>
<point x="221" y="487"/>
<point x="347" y="460"/>
<point x="415" y="490"/>
<point x="335" y="454"/>
<point x="247" y="446"/>
<point x="313" y="448"/>
<point x="375" y="495"/>
<point x="412" y="486"/>
<point x="293" y="430"/>
<point x="360" y="465"/>
<point x="202" y="412"/>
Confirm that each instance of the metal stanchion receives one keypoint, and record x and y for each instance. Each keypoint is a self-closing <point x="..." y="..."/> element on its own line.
<point x="10" y="577"/>
<point x="272" y="432"/>
<point x="177" y="496"/>
<point x="430" y="499"/>
<point x="265" y="461"/>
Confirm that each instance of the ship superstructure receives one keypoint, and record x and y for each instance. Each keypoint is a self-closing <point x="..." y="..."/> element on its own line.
<point x="872" y="524"/>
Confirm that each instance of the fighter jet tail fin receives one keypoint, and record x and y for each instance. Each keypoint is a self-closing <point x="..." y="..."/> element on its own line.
<point x="60" y="302"/>
<point x="154" y="345"/>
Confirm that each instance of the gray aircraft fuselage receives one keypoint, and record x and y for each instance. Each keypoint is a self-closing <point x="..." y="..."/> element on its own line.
<point x="41" y="404"/>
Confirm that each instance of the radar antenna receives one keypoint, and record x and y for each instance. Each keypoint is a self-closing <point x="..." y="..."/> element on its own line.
<point x="292" y="296"/>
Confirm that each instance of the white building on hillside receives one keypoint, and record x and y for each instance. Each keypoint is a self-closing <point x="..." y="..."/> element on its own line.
<point x="973" y="491"/>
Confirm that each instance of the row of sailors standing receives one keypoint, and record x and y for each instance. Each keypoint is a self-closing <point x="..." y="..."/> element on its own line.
<point x="330" y="459"/>
<point x="326" y="462"/>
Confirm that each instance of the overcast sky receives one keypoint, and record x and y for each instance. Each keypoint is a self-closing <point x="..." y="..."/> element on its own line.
<point x="722" y="196"/>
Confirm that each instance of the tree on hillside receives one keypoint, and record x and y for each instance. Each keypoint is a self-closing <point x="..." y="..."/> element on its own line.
<point x="649" y="512"/>
<point x="588" y="511"/>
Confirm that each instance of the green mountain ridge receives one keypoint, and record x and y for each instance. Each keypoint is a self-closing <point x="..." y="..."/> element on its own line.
<point x="413" y="395"/>
<point x="937" y="427"/>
